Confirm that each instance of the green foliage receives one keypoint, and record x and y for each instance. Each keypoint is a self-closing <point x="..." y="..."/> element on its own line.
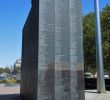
<point x="4" y="70"/>
<point x="10" y="81"/>
<point x="89" y="39"/>
<point x="18" y="81"/>
<point x="89" y="42"/>
<point x="2" y="81"/>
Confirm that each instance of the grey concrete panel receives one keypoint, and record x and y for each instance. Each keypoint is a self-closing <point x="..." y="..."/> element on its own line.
<point x="62" y="50"/>
<point x="47" y="46"/>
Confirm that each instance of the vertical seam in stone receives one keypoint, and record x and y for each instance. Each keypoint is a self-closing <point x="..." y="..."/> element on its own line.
<point x="37" y="40"/>
<point x="69" y="50"/>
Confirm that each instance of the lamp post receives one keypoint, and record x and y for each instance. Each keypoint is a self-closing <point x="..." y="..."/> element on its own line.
<point x="100" y="69"/>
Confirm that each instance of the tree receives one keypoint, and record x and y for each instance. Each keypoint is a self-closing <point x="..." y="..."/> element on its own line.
<point x="89" y="39"/>
<point x="89" y="42"/>
<point x="4" y="70"/>
<point x="105" y="26"/>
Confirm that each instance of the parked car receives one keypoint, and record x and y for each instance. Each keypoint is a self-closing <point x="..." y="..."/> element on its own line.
<point x="88" y="75"/>
<point x="2" y="78"/>
<point x="106" y="76"/>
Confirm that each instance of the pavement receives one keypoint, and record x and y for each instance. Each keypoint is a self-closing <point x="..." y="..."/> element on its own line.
<point x="15" y="89"/>
<point x="12" y="93"/>
<point x="93" y="95"/>
<point x="9" y="92"/>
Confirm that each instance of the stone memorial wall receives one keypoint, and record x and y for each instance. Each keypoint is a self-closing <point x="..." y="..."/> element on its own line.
<point x="52" y="54"/>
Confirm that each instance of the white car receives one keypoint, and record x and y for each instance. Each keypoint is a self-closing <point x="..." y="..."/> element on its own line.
<point x="106" y="76"/>
<point x="88" y="75"/>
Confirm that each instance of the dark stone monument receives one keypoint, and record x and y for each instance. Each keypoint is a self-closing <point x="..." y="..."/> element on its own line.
<point x="52" y="53"/>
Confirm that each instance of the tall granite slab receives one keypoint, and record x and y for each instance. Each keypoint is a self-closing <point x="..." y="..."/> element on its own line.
<point x="52" y="52"/>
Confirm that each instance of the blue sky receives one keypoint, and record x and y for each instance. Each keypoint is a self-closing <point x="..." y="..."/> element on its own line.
<point x="88" y="5"/>
<point x="13" y="14"/>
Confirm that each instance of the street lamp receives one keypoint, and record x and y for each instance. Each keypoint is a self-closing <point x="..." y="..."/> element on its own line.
<point x="99" y="56"/>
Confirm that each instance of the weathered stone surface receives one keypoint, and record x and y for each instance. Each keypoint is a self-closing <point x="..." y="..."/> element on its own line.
<point x="52" y="57"/>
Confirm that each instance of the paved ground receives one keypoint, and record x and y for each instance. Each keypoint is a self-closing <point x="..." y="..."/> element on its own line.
<point x="9" y="92"/>
<point x="93" y="95"/>
<point x="12" y="93"/>
<point x="9" y="89"/>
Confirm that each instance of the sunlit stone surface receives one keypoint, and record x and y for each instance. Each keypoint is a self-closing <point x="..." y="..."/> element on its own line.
<point x="52" y="55"/>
